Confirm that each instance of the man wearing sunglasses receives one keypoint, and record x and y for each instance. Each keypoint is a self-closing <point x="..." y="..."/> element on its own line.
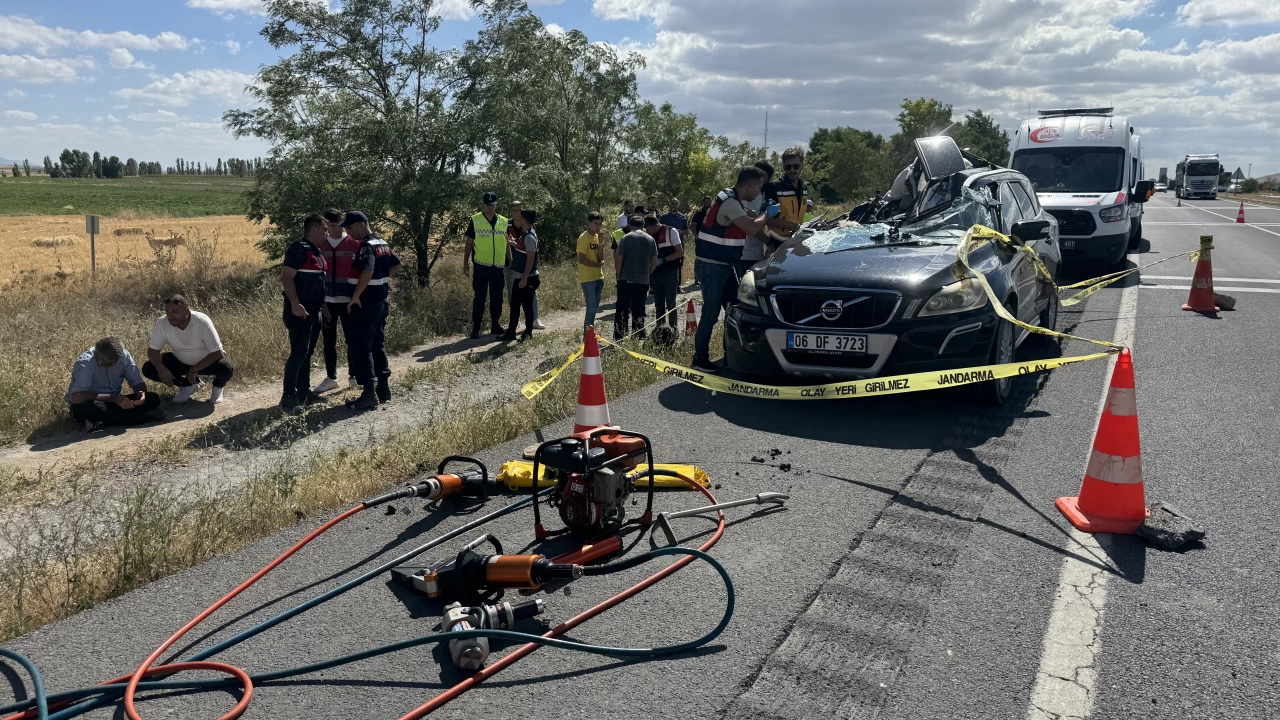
<point x="789" y="192"/>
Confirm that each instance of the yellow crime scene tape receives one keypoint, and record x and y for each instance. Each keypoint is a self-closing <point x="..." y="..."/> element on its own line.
<point x="914" y="382"/>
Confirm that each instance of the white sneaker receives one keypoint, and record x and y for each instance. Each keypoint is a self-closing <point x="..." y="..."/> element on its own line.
<point x="215" y="396"/>
<point x="537" y="325"/>
<point x="184" y="394"/>
<point x="352" y="384"/>
<point x="327" y="385"/>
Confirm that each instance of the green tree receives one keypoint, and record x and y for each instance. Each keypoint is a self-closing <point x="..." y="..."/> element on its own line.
<point x="918" y="118"/>
<point x="846" y="163"/>
<point x="1250" y="185"/>
<point x="362" y="111"/>
<point x="674" y="156"/>
<point x="979" y="134"/>
<point x="16" y="172"/>
<point x="26" y="168"/>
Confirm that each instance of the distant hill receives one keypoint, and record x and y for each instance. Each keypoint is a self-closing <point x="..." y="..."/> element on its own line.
<point x="1274" y="178"/>
<point x="8" y="162"/>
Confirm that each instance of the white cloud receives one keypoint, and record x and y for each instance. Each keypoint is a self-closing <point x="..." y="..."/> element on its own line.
<point x="15" y="93"/>
<point x="31" y="69"/>
<point x="123" y="59"/>
<point x="21" y="32"/>
<point x="178" y="89"/>
<point x="227" y="7"/>
<point x="636" y="9"/>
<point x="1232" y="14"/>
<point x="555" y="29"/>
<point x="232" y="47"/>
<point x="454" y="10"/>
<point x="19" y="115"/>
<point x="159" y="116"/>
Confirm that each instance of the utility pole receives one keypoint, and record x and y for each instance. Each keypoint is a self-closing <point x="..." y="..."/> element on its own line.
<point x="1250" y="170"/>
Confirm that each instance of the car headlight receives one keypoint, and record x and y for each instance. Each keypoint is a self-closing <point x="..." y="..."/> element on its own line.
<point x="747" y="291"/>
<point x="957" y="297"/>
<point x="1115" y="213"/>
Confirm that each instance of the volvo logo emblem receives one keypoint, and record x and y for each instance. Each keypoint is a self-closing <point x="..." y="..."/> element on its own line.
<point x="832" y="310"/>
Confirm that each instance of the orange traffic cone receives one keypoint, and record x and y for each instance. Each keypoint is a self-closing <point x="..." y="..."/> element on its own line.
<point x="1112" y="498"/>
<point x="593" y="407"/>
<point x="1240" y="215"/>
<point x="1201" y="298"/>
<point x="690" y="321"/>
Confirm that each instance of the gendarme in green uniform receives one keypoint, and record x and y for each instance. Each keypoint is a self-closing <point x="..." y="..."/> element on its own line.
<point x="490" y="246"/>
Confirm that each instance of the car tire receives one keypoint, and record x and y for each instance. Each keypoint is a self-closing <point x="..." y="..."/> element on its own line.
<point x="1135" y="237"/>
<point x="1049" y="316"/>
<point x="997" y="392"/>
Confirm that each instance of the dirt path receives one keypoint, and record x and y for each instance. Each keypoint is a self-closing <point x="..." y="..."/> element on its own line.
<point x="251" y="412"/>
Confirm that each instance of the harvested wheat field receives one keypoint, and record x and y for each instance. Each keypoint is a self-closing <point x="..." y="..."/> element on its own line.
<point x="53" y="243"/>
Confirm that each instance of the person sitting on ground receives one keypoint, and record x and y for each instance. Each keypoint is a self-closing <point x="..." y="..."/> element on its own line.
<point x="94" y="394"/>
<point x="590" y="264"/>
<point x="195" y="351"/>
<point x="525" y="260"/>
<point x="635" y="261"/>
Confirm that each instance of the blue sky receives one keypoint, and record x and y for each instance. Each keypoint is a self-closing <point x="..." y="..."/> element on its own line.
<point x="151" y="78"/>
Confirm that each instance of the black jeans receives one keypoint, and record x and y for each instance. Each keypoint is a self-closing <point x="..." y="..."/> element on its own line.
<point x="486" y="280"/>
<point x="366" y="337"/>
<point x="220" y="371"/>
<point x="629" y="309"/>
<point x="111" y="414"/>
<point x="303" y="334"/>
<point x="522" y="298"/>
<point x="337" y="311"/>
<point x="666" y="285"/>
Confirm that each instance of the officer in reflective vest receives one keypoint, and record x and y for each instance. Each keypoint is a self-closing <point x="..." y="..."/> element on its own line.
<point x="367" y="311"/>
<point x="487" y="247"/>
<point x="303" y="276"/>
<point x="789" y="192"/>
<point x="721" y="236"/>
<point x="340" y="279"/>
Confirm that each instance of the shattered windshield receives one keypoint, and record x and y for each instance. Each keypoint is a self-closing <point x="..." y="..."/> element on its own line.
<point x="946" y="227"/>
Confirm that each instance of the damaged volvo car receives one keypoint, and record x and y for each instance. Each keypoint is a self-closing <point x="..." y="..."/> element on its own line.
<point x="877" y="292"/>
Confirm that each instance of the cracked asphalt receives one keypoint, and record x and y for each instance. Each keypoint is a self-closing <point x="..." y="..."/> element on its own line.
<point x="920" y="569"/>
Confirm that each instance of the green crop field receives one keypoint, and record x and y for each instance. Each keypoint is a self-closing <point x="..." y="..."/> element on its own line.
<point x="153" y="195"/>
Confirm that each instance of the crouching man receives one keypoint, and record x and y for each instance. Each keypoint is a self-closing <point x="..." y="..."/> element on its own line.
<point x="94" y="394"/>
<point x="194" y="350"/>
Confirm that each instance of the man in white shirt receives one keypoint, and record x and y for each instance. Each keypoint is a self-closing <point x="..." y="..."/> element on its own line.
<point x="628" y="208"/>
<point x="194" y="350"/>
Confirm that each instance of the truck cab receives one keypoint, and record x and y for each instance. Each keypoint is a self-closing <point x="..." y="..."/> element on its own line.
<point x="1086" y="167"/>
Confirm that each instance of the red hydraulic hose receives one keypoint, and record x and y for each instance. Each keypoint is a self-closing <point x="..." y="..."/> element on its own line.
<point x="448" y="695"/>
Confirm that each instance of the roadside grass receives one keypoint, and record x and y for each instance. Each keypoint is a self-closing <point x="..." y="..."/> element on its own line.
<point x="151" y="196"/>
<point x="102" y="544"/>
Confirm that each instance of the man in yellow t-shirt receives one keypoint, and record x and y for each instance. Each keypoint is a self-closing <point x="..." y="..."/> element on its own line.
<point x="590" y="262"/>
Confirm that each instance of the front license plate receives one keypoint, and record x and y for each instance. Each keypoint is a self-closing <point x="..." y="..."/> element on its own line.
<point x="1068" y="244"/>
<point x="814" y="342"/>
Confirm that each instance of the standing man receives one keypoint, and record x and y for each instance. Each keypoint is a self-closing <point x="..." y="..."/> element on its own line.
<point x="487" y="246"/>
<point x="303" y="277"/>
<point x="753" y="249"/>
<point x="512" y="270"/>
<point x="651" y="205"/>
<point x="366" y="353"/>
<point x="525" y="260"/>
<point x="721" y="236"/>
<point x="695" y="222"/>
<point x="194" y="350"/>
<point x="634" y="262"/>
<point x="591" y="268"/>
<point x="789" y="192"/>
<point x="628" y="207"/>
<point x="340" y="278"/>
<point x="675" y="218"/>
<point x="666" y="277"/>
<point x="94" y="394"/>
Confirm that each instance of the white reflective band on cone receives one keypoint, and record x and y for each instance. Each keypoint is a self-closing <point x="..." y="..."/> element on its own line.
<point x="1123" y="401"/>
<point x="1114" y="468"/>
<point x="591" y="365"/>
<point x="592" y="415"/>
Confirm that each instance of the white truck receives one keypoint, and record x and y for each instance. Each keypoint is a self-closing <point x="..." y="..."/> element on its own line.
<point x="1198" y="177"/>
<point x="1086" y="167"/>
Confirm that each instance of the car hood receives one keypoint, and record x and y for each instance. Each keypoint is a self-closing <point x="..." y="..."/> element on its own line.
<point x="1076" y="200"/>
<point x="905" y="268"/>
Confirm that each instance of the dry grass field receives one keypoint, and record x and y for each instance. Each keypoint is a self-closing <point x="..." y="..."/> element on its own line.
<point x="39" y="244"/>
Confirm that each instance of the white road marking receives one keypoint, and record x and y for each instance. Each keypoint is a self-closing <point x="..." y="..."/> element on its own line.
<point x="1273" y="232"/>
<point x="1225" y="279"/>
<point x="1064" y="684"/>
<point x="1216" y="287"/>
<point x="1209" y="224"/>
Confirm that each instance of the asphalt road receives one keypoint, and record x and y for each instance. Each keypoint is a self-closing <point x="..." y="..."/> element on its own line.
<point x="916" y="572"/>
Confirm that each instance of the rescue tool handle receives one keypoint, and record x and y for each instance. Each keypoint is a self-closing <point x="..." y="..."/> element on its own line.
<point x="664" y="519"/>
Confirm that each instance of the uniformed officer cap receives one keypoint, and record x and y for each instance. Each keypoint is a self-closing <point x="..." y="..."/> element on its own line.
<point x="491" y="198"/>
<point x="354" y="217"/>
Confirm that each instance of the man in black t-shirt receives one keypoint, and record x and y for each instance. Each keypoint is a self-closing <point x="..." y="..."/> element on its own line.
<point x="302" y="274"/>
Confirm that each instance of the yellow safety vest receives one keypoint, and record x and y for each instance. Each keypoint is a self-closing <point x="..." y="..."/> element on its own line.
<point x="491" y="240"/>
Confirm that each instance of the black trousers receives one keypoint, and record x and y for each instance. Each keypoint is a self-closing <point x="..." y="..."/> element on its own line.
<point x="303" y="335"/>
<point x="629" y="310"/>
<point x="111" y="414"/>
<point x="220" y="371"/>
<point x="522" y="298"/>
<point x="337" y="311"/>
<point x="366" y="339"/>
<point x="486" y="280"/>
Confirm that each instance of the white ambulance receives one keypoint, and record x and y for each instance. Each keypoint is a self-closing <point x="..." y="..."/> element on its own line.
<point x="1086" y="167"/>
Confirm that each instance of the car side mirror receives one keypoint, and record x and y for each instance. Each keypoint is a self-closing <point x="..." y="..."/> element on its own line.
<point x="1143" y="190"/>
<point x="1030" y="230"/>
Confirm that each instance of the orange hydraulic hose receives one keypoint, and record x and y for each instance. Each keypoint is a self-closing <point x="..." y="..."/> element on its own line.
<point x="448" y="695"/>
